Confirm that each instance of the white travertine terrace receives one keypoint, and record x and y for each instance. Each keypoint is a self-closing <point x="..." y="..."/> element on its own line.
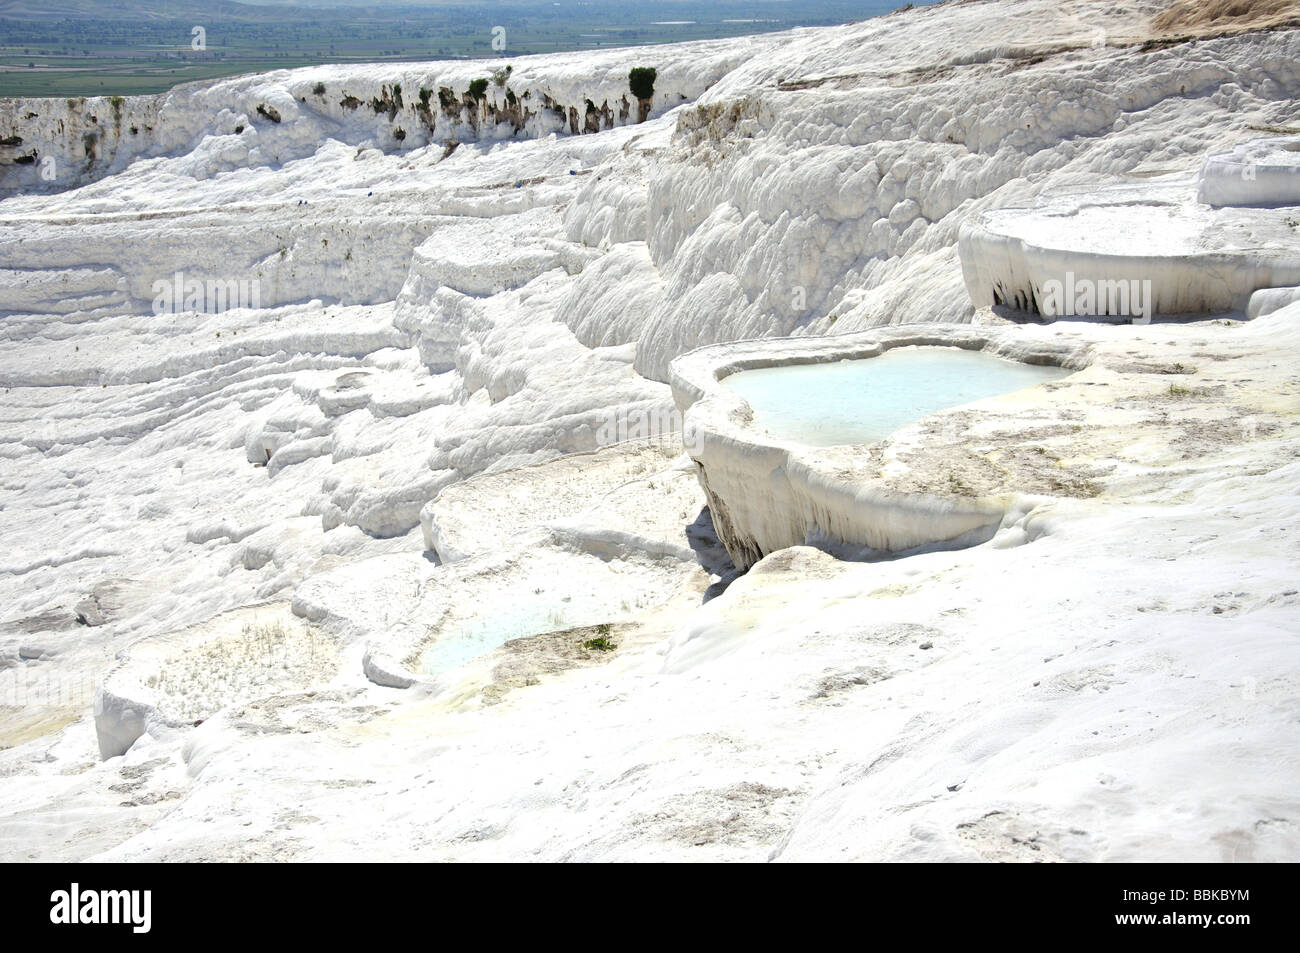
<point x="167" y="685"/>
<point x="1193" y="258"/>
<point x="1259" y="172"/>
<point x="279" y="116"/>
<point x="766" y="493"/>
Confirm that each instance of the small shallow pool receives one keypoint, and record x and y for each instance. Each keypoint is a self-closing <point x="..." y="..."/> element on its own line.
<point x="863" y="401"/>
<point x="533" y="597"/>
<point x="509" y="619"/>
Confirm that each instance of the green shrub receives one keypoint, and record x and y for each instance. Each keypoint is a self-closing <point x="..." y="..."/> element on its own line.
<point x="477" y="89"/>
<point x="642" y="81"/>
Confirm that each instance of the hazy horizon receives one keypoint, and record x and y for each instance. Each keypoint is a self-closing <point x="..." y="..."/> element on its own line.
<point x="107" y="47"/>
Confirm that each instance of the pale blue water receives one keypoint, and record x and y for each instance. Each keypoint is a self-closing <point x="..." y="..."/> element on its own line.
<point x="535" y="597"/>
<point x="514" y="618"/>
<point x="863" y="401"/>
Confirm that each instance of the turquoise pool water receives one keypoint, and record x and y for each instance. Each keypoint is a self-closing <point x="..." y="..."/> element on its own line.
<point x="499" y="624"/>
<point x="535" y="597"/>
<point x="863" y="401"/>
